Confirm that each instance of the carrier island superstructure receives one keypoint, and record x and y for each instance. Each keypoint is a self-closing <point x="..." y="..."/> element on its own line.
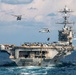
<point x="42" y="54"/>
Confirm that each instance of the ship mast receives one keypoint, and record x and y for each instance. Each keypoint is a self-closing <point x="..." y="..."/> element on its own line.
<point x="66" y="11"/>
<point x="66" y="35"/>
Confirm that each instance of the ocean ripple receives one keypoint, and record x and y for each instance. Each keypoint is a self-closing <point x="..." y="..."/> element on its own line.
<point x="59" y="70"/>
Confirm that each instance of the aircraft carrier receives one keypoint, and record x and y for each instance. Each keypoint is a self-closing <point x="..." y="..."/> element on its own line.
<point x="41" y="54"/>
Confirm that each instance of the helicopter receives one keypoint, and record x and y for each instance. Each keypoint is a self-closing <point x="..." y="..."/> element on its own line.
<point x="19" y="17"/>
<point x="45" y="30"/>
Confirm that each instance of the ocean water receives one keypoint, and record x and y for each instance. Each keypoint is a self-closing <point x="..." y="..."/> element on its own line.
<point x="30" y="70"/>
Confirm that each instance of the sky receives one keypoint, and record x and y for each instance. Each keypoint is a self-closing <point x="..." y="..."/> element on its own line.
<point x="36" y="14"/>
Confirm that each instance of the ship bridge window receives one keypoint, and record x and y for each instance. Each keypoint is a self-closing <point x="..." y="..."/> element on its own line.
<point x="40" y="57"/>
<point x="63" y="37"/>
<point x="24" y="54"/>
<point x="37" y="53"/>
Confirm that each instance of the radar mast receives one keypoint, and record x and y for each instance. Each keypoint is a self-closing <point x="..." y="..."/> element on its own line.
<point x="66" y="34"/>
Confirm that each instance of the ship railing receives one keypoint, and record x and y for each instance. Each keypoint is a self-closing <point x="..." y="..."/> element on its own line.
<point x="35" y="44"/>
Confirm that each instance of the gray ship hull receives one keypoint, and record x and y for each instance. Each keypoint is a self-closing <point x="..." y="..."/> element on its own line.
<point x="35" y="61"/>
<point x="70" y="59"/>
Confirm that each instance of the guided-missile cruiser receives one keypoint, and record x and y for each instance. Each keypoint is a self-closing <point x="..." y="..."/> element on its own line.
<point x="41" y="54"/>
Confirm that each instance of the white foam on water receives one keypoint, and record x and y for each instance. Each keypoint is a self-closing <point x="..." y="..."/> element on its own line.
<point x="24" y="73"/>
<point x="32" y="67"/>
<point x="29" y="70"/>
<point x="39" y="73"/>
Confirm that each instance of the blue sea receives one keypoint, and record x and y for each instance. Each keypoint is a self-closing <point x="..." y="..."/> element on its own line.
<point x="30" y="70"/>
